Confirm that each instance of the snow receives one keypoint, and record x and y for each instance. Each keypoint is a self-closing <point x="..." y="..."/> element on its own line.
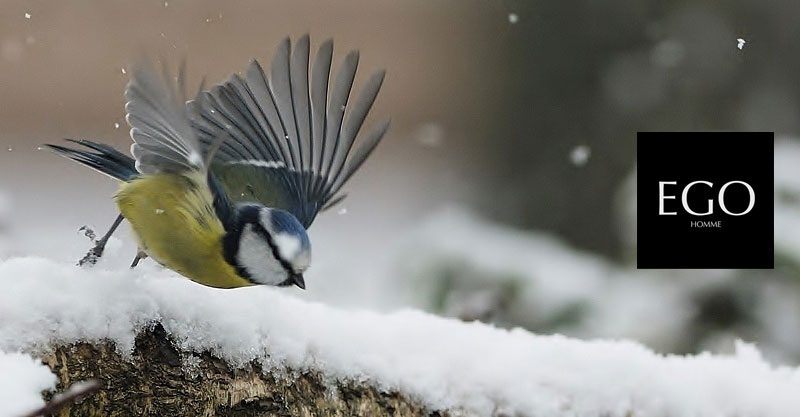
<point x="740" y="43"/>
<point x="668" y="53"/>
<point x="547" y="281"/>
<point x="430" y="135"/>
<point x="580" y="155"/>
<point x="22" y="380"/>
<point x="27" y="15"/>
<point x="513" y="18"/>
<point x="443" y="362"/>
<point x="440" y="361"/>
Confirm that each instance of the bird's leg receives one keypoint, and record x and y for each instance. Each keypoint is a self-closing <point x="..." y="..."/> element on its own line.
<point x="96" y="252"/>
<point x="139" y="256"/>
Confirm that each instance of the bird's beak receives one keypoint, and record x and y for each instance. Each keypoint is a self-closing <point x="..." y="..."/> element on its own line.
<point x="297" y="279"/>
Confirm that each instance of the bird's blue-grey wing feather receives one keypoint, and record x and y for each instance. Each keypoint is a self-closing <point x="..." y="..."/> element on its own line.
<point x="302" y="105"/>
<point x="288" y="147"/>
<point x="164" y="140"/>
<point x="358" y="112"/>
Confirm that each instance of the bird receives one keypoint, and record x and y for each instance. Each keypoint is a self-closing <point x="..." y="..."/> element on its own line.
<point x="223" y="187"/>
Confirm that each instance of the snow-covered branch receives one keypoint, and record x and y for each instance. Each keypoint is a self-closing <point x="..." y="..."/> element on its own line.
<point x="429" y="361"/>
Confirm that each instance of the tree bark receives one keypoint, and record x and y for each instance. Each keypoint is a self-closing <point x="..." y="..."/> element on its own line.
<point x="156" y="381"/>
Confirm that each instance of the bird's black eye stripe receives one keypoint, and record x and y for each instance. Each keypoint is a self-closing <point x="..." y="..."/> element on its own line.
<point x="249" y="214"/>
<point x="265" y="234"/>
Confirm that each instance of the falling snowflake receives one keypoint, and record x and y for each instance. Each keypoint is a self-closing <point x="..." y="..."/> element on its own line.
<point x="430" y="135"/>
<point x="27" y="15"/>
<point x="342" y="211"/>
<point x="123" y="71"/>
<point x="513" y="18"/>
<point x="740" y="43"/>
<point x="580" y="155"/>
<point x="116" y="125"/>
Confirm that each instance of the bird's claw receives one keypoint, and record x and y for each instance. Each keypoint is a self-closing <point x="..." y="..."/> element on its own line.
<point x="88" y="232"/>
<point x="92" y="256"/>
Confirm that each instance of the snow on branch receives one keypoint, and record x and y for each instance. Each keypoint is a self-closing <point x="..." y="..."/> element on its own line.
<point x="443" y="363"/>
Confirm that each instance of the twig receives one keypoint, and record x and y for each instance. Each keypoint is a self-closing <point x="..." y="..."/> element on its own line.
<point x="75" y="393"/>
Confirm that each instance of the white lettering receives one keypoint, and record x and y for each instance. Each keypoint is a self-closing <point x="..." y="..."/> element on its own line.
<point x="662" y="197"/>
<point x="685" y="199"/>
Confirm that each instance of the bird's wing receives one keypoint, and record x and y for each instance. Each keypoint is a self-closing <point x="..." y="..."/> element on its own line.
<point x="163" y="138"/>
<point x="289" y="145"/>
<point x="164" y="141"/>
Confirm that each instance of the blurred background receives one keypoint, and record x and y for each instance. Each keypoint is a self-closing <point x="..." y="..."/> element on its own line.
<point x="505" y="189"/>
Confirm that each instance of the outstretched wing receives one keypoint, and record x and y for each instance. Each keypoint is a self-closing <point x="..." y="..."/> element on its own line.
<point x="288" y="145"/>
<point x="164" y="141"/>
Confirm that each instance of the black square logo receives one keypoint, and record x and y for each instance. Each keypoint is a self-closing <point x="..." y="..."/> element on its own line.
<point x="705" y="200"/>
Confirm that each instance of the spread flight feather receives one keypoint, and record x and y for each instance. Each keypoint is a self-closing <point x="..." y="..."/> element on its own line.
<point x="287" y="147"/>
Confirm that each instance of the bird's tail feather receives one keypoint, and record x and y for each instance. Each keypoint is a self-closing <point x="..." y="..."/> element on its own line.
<point x="99" y="157"/>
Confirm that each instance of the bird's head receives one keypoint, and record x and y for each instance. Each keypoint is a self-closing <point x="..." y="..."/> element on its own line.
<point x="268" y="246"/>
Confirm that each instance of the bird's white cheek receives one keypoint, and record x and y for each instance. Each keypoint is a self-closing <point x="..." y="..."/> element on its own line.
<point x="288" y="245"/>
<point x="255" y="256"/>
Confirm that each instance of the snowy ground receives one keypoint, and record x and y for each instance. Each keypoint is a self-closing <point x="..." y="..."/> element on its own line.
<point x="443" y="362"/>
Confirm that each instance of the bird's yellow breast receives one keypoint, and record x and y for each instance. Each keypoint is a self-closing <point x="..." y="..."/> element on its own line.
<point x="174" y="220"/>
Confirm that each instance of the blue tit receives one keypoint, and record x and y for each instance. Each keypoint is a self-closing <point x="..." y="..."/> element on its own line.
<point x="222" y="188"/>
